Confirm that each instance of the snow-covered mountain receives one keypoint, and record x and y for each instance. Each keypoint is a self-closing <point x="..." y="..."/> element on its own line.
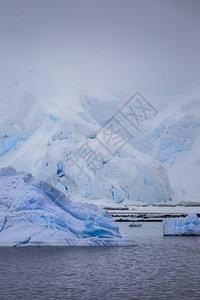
<point x="48" y="131"/>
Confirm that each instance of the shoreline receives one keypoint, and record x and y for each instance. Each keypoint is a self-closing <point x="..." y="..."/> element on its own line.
<point x="150" y="213"/>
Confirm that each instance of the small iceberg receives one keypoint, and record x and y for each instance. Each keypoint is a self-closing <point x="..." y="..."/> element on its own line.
<point x="33" y="213"/>
<point x="182" y="226"/>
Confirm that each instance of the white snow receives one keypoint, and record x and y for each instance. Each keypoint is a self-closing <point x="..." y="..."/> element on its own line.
<point x="182" y="226"/>
<point x="33" y="213"/>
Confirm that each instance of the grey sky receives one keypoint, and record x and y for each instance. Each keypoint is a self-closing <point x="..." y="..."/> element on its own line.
<point x="104" y="43"/>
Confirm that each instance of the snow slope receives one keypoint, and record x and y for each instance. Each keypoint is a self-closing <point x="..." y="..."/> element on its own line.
<point x="42" y="133"/>
<point x="34" y="213"/>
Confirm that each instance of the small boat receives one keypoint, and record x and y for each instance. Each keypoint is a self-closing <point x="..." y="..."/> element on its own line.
<point x="133" y="224"/>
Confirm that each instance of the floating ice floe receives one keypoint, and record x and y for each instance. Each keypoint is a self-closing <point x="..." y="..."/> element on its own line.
<point x="182" y="226"/>
<point x="32" y="213"/>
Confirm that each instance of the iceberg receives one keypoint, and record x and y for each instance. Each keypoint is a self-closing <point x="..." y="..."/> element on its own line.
<point x="33" y="213"/>
<point x="182" y="226"/>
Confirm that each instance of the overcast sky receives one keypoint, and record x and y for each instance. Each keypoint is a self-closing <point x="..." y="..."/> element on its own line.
<point x="104" y="43"/>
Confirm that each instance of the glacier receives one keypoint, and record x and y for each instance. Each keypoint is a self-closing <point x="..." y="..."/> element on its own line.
<point x="172" y="138"/>
<point x="46" y="128"/>
<point x="33" y="213"/>
<point x="182" y="226"/>
<point x="41" y="135"/>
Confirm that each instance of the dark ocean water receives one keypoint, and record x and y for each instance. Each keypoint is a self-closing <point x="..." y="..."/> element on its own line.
<point x="156" y="268"/>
